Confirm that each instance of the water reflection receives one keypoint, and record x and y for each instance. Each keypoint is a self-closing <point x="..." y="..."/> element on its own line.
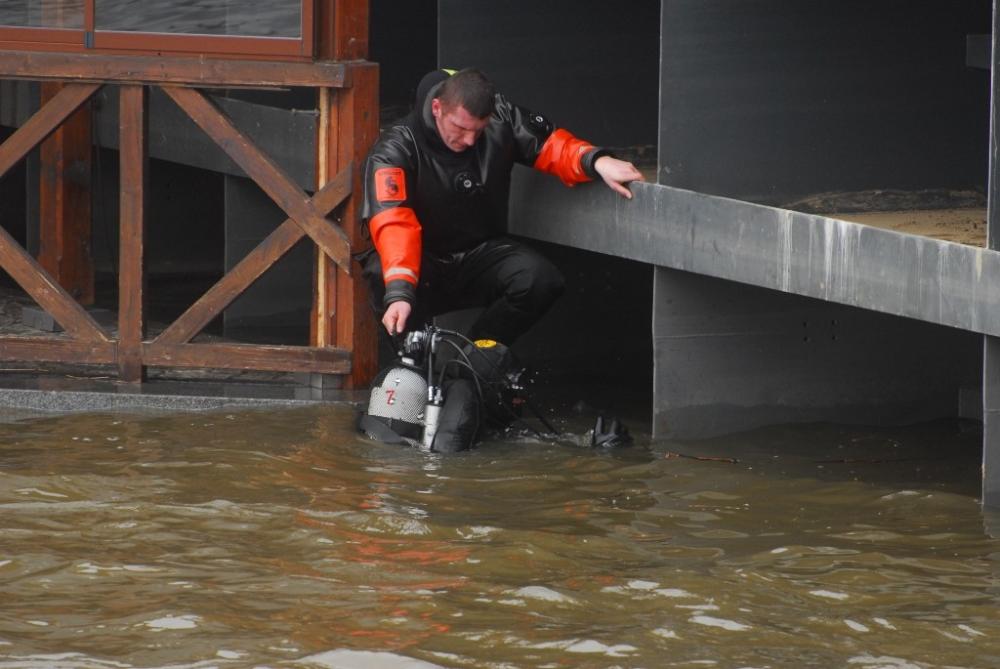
<point x="66" y="14"/>
<point x="244" y="18"/>
<point x="283" y="539"/>
<point x="247" y="18"/>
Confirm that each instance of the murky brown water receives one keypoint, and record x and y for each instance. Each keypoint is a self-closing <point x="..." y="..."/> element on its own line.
<point x="281" y="539"/>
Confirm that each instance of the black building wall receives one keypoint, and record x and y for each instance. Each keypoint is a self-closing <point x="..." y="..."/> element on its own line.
<point x="12" y="200"/>
<point x="772" y="100"/>
<point x="591" y="65"/>
<point x="776" y="100"/>
<point x="403" y="41"/>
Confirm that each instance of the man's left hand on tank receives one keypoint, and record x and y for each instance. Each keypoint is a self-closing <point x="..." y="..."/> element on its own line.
<point x="395" y="316"/>
<point x="616" y="173"/>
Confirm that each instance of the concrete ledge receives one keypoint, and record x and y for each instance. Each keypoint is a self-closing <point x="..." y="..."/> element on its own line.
<point x="833" y="260"/>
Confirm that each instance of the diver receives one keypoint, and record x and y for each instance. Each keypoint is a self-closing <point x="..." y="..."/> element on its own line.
<point x="436" y="200"/>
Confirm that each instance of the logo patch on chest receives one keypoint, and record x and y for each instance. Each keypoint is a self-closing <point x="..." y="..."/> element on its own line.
<point x="390" y="184"/>
<point x="467" y="184"/>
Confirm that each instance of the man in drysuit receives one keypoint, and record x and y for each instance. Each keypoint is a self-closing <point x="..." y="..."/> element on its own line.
<point x="436" y="191"/>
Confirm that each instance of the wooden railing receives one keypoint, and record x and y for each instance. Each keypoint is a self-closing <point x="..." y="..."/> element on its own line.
<point x="342" y="332"/>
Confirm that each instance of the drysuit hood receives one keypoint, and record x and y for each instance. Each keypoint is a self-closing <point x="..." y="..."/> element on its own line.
<point x="430" y="81"/>
<point x="426" y="90"/>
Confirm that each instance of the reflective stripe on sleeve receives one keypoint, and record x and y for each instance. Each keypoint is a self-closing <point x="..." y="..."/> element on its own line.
<point x="392" y="271"/>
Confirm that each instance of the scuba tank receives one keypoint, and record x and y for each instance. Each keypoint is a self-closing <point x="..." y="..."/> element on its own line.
<point x="396" y="405"/>
<point x="441" y="403"/>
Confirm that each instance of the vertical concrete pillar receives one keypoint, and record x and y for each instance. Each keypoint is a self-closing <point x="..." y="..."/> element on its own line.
<point x="991" y="422"/>
<point x="730" y="357"/>
<point x="991" y="345"/>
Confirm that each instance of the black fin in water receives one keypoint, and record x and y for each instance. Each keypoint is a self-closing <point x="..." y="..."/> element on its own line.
<point x="609" y="433"/>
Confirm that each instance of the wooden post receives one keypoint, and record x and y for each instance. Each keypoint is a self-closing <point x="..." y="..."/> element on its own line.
<point x="324" y="282"/>
<point x="65" y="203"/>
<point x="357" y="118"/>
<point x="343" y="29"/>
<point x="342" y="35"/>
<point x="134" y="153"/>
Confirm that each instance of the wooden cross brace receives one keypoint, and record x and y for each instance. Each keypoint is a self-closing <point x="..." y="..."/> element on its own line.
<point x="259" y="167"/>
<point x="258" y="261"/>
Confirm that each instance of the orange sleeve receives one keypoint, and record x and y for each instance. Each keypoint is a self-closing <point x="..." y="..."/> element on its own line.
<point x="562" y="155"/>
<point x="396" y="234"/>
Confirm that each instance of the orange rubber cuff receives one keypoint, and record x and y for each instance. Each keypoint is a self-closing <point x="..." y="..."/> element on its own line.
<point x="562" y="156"/>
<point x="396" y="233"/>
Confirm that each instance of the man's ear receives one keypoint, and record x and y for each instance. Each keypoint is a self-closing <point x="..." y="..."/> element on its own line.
<point x="436" y="107"/>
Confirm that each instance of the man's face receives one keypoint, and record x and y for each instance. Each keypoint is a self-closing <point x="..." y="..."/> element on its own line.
<point x="457" y="127"/>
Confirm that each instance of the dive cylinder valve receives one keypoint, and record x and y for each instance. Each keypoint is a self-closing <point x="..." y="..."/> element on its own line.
<point x="432" y="415"/>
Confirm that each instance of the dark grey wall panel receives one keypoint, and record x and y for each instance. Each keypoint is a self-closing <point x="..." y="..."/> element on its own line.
<point x="184" y="233"/>
<point x="732" y="357"/>
<point x="598" y="331"/>
<point x="589" y="64"/>
<point x="991" y="422"/>
<point x="771" y="100"/>
<point x="287" y="136"/>
<point x="276" y="307"/>
<point x="592" y="67"/>
<point x="18" y="100"/>
<point x="12" y="197"/>
<point x="403" y="41"/>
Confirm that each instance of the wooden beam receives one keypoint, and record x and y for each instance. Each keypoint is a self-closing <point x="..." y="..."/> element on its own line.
<point x="269" y="176"/>
<point x="354" y="322"/>
<point x="65" y="202"/>
<point x="43" y="123"/>
<point x="325" y="25"/>
<point x="248" y="270"/>
<point x="134" y="156"/>
<point x="342" y="29"/>
<point x="57" y="349"/>
<point x="351" y="30"/>
<point x="49" y="295"/>
<point x="249" y="356"/>
<point x="192" y="71"/>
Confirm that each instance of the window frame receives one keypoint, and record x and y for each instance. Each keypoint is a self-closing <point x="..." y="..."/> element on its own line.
<point x="90" y="40"/>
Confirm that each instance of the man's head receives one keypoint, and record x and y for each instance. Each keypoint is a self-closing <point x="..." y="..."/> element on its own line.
<point x="462" y="108"/>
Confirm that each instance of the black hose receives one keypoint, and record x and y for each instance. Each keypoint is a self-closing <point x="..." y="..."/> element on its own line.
<point x="531" y="405"/>
<point x="478" y="378"/>
<point x="479" y="389"/>
<point x="475" y="376"/>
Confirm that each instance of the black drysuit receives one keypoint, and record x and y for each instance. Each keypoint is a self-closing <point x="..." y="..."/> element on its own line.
<point x="438" y="217"/>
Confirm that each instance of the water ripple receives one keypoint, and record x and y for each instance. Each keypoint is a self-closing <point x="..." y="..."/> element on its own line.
<point x="280" y="539"/>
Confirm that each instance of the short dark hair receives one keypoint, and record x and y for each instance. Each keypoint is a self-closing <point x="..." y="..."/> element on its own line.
<point x="471" y="89"/>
